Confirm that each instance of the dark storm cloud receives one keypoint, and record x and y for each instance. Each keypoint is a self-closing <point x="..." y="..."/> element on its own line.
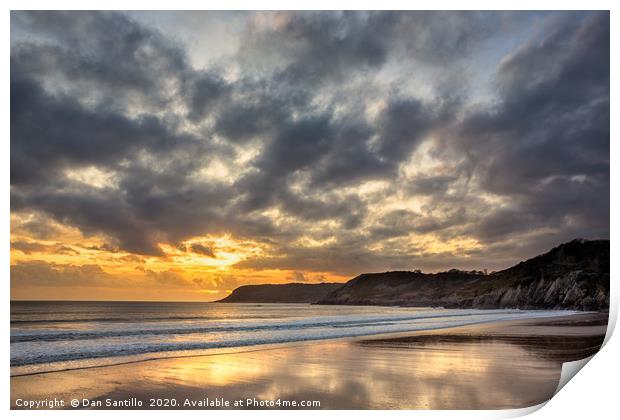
<point x="49" y="133"/>
<point x="321" y="47"/>
<point x="139" y="217"/>
<point x="351" y="158"/>
<point x="363" y="150"/>
<point x="99" y="51"/>
<point x="546" y="146"/>
<point x="403" y="126"/>
<point x="99" y="90"/>
<point x="431" y="185"/>
<point x="335" y="152"/>
<point x="295" y="146"/>
<point x="205" y="92"/>
<point x="52" y="133"/>
<point x="330" y="45"/>
<point x="258" y="109"/>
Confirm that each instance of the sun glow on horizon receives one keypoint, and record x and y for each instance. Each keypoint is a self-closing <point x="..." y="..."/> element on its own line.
<point x="188" y="270"/>
<point x="216" y="149"/>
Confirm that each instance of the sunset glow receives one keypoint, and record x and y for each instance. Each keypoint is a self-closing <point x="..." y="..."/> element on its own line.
<point x="180" y="155"/>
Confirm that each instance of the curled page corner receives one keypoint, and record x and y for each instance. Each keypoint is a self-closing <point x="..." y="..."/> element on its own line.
<point x="569" y="370"/>
<point x="521" y="412"/>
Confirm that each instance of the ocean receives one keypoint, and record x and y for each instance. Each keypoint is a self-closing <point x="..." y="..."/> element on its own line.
<point x="53" y="336"/>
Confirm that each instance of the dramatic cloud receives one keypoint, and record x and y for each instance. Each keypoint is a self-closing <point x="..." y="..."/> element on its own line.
<point x="545" y="146"/>
<point x="312" y="146"/>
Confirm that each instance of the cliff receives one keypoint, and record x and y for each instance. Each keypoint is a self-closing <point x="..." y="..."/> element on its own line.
<point x="574" y="275"/>
<point x="281" y="293"/>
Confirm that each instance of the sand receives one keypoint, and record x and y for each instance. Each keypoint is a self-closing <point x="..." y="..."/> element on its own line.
<point x="498" y="365"/>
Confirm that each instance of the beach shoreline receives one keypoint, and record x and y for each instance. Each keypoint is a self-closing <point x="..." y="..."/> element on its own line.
<point x="503" y="364"/>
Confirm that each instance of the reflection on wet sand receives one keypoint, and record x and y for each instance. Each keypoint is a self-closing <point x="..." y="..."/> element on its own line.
<point x="469" y="368"/>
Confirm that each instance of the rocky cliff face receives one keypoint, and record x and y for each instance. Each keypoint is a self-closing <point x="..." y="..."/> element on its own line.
<point x="574" y="275"/>
<point x="280" y="293"/>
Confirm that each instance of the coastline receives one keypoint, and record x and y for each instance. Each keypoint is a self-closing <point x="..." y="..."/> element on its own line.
<point x="503" y="364"/>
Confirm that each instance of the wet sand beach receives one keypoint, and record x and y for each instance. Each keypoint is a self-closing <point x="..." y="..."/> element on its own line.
<point x="511" y="364"/>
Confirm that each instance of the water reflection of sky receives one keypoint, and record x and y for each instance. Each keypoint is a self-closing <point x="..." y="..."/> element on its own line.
<point x="488" y="374"/>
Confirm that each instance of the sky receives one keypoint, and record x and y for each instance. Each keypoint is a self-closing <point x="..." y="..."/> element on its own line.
<point x="178" y="155"/>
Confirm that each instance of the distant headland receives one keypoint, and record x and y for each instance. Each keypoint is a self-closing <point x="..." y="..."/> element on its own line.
<point x="574" y="275"/>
